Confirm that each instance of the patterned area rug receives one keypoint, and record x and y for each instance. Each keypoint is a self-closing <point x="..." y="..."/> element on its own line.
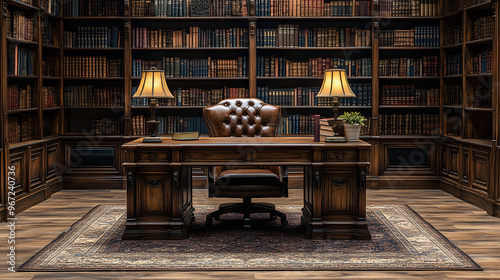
<point x="401" y="240"/>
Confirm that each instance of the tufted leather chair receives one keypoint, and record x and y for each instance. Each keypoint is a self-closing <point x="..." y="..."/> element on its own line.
<point x="245" y="117"/>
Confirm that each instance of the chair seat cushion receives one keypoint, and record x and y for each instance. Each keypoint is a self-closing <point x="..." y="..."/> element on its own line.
<point x="248" y="183"/>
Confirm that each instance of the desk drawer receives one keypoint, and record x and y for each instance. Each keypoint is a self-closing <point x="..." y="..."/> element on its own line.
<point x="339" y="155"/>
<point x="153" y="156"/>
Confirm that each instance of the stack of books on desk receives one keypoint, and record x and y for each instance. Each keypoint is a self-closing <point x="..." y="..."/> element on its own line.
<point x="326" y="130"/>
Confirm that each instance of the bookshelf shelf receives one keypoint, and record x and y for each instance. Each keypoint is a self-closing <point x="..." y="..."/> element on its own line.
<point x="52" y="108"/>
<point x="50" y="78"/>
<point x="325" y="107"/>
<point x="21" y="111"/>
<point x="92" y="49"/>
<point x="168" y="107"/>
<point x="479" y="75"/>
<point x="191" y="49"/>
<point x="53" y="16"/>
<point x="455" y="46"/>
<point x="22" y="5"/>
<point x="200" y="79"/>
<point x="480" y="7"/>
<point x="95" y="78"/>
<point x="22" y="77"/>
<point x="452" y="106"/>
<point x="408" y="107"/>
<point x="95" y="18"/>
<point x="94" y="107"/>
<point x="452" y="77"/>
<point x="480" y="41"/>
<point x="418" y="18"/>
<point x="308" y="78"/>
<point x="409" y="48"/>
<point x="455" y="15"/>
<point x="314" y="48"/>
<point x="22" y="42"/>
<point x="480" y="109"/>
<point x="50" y="47"/>
<point x="233" y="18"/>
<point x="409" y="78"/>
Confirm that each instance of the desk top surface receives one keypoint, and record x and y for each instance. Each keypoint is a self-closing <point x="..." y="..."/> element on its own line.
<point x="246" y="141"/>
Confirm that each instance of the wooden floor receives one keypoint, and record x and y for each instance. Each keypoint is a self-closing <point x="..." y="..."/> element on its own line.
<point x="470" y="228"/>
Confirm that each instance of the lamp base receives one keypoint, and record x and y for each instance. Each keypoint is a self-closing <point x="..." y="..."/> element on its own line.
<point x="335" y="139"/>
<point x="152" y="140"/>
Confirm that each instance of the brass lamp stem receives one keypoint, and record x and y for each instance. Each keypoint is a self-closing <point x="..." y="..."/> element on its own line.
<point x="335" y="107"/>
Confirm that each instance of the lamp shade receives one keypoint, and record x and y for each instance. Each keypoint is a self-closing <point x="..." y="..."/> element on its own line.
<point x="335" y="84"/>
<point x="153" y="85"/>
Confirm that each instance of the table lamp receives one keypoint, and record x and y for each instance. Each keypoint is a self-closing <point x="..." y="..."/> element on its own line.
<point x="334" y="86"/>
<point x="152" y="86"/>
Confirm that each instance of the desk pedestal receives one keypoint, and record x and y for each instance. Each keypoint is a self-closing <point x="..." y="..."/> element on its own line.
<point x="159" y="194"/>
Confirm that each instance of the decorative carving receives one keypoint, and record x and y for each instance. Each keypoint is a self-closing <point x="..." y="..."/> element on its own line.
<point x="339" y="182"/>
<point x="153" y="183"/>
<point x="130" y="180"/>
<point x="362" y="179"/>
<point x="127" y="28"/>
<point x="251" y="7"/>
<point x="339" y="156"/>
<point x="376" y="28"/>
<point x="152" y="156"/>
<point x="175" y="179"/>
<point x="200" y="8"/>
<point x="253" y="28"/>
<point x="317" y="178"/>
<point x="4" y="9"/>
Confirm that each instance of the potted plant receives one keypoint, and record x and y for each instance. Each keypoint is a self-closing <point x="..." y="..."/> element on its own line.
<point x="352" y="125"/>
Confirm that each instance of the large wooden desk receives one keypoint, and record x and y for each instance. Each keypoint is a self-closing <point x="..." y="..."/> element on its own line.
<point x="159" y="196"/>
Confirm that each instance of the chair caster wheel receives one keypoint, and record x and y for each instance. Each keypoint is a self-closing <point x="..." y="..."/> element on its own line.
<point x="284" y="222"/>
<point x="272" y="217"/>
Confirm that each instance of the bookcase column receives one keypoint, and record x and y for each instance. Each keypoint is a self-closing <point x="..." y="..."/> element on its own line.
<point x="127" y="75"/>
<point x="252" y="58"/>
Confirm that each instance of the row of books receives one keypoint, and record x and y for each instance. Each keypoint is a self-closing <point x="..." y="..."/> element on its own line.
<point x="408" y="95"/>
<point x="311" y="8"/>
<point x="483" y="27"/>
<point x="19" y="26"/>
<point x="306" y="96"/>
<point x="169" y="125"/>
<point x="452" y="6"/>
<point x="50" y="96"/>
<point x="482" y="98"/>
<point x="482" y="61"/>
<point x="408" y="124"/>
<point x="194" y="37"/>
<point x="185" y="8"/>
<point x="273" y="66"/>
<point x="50" y="66"/>
<point x="106" y="127"/>
<point x="420" y="36"/>
<point x="407" y="8"/>
<point x="453" y="95"/>
<point x="47" y="37"/>
<point x="21" y="128"/>
<point x="176" y="67"/>
<point x="290" y="35"/>
<point x="453" y="64"/>
<point x="454" y="35"/>
<point x="409" y="67"/>
<point x="20" y="60"/>
<point x="296" y="124"/>
<point x="92" y="67"/>
<point x="89" y="95"/>
<point x="82" y="8"/>
<point x="18" y="97"/>
<point x="51" y="6"/>
<point x="93" y="37"/>
<point x="454" y="126"/>
<point x="195" y="96"/>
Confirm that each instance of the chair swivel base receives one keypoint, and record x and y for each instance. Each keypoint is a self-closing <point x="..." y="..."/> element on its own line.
<point x="246" y="208"/>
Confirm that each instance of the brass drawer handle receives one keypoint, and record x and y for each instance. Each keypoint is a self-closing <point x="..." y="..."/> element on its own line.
<point x="152" y="156"/>
<point x="339" y="156"/>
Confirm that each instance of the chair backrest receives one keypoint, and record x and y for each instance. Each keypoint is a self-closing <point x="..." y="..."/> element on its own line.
<point x="242" y="117"/>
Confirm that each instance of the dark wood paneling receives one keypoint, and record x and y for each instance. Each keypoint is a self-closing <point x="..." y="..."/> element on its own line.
<point x="422" y="159"/>
<point x="465" y="166"/>
<point x="454" y="155"/>
<point x="480" y="170"/>
<point x="53" y="162"/>
<point x="36" y="168"/>
<point x="338" y="192"/>
<point x="17" y="159"/>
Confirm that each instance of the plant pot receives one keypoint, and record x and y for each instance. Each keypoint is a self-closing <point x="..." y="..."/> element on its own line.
<point x="352" y="132"/>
